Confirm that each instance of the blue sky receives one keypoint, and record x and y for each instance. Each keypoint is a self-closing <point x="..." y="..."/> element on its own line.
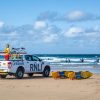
<point x="51" y="26"/>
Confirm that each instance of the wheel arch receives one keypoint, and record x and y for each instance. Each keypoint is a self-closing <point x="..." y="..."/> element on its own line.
<point x="47" y="66"/>
<point x="21" y="67"/>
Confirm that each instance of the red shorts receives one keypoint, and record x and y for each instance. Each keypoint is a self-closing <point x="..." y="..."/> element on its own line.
<point x="6" y="56"/>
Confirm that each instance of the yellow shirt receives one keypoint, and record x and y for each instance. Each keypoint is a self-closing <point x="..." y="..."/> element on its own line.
<point x="7" y="50"/>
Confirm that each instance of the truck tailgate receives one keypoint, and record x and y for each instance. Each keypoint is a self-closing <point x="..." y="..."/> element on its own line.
<point x="4" y="66"/>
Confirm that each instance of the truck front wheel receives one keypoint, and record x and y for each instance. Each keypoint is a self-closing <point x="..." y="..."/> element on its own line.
<point x="46" y="72"/>
<point x="19" y="73"/>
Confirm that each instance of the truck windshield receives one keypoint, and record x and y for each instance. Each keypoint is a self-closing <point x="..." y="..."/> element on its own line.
<point x="11" y="57"/>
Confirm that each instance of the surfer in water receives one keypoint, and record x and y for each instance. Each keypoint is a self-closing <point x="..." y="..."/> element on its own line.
<point x="82" y="60"/>
<point x="97" y="60"/>
<point x="67" y="60"/>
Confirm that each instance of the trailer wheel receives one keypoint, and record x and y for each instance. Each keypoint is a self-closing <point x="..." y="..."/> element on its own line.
<point x="19" y="73"/>
<point x="3" y="76"/>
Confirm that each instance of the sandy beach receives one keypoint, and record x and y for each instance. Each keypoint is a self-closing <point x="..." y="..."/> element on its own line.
<point x="39" y="88"/>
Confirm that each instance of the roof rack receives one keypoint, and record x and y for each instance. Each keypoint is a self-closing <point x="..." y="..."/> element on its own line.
<point x="18" y="50"/>
<point x="2" y="52"/>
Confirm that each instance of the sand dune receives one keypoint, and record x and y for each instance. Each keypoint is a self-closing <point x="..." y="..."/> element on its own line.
<point x="39" y="88"/>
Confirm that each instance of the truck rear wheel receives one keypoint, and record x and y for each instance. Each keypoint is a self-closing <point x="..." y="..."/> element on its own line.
<point x="3" y="76"/>
<point x="19" y="73"/>
<point x="30" y="74"/>
<point x="46" y="72"/>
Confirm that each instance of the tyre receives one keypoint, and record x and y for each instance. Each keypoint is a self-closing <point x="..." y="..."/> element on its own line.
<point x="3" y="76"/>
<point x="19" y="73"/>
<point x="46" y="72"/>
<point x="30" y="74"/>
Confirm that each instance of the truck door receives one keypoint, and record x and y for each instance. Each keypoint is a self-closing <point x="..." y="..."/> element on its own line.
<point x="37" y="67"/>
<point x="28" y="63"/>
<point x="33" y="64"/>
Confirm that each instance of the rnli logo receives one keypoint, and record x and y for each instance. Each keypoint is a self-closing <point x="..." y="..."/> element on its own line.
<point x="35" y="67"/>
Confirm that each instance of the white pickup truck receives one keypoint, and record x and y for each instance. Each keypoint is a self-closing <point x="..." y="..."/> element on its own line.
<point x="23" y="64"/>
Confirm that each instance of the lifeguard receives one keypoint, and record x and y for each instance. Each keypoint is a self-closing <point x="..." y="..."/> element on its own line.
<point x="7" y="52"/>
<point x="7" y="49"/>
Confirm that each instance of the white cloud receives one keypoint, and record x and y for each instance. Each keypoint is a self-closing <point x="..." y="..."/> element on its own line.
<point x="72" y="16"/>
<point x="13" y="34"/>
<point x="76" y="15"/>
<point x="97" y="28"/>
<point x="73" y="32"/>
<point x="93" y="35"/>
<point x="48" y="38"/>
<point x="48" y="34"/>
<point x="1" y="24"/>
<point x="40" y="25"/>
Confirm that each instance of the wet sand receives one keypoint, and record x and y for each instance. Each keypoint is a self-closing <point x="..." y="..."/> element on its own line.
<point x="39" y="88"/>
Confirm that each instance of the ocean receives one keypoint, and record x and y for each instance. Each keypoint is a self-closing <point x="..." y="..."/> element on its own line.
<point x="73" y="62"/>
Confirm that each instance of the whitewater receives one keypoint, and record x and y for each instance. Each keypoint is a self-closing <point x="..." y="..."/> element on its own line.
<point x="59" y="63"/>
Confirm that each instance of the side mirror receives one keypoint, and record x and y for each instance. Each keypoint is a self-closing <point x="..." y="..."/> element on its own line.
<point x="40" y="60"/>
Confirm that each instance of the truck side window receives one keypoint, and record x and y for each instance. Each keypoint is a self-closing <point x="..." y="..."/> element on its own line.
<point x="35" y="58"/>
<point x="28" y="57"/>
